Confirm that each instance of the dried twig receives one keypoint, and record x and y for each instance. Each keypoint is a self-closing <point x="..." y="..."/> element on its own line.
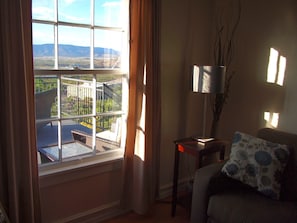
<point x="223" y="55"/>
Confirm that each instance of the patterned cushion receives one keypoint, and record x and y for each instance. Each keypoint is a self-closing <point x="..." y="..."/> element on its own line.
<point x="257" y="163"/>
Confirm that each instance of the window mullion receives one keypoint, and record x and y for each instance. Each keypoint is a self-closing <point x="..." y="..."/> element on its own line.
<point x="56" y="35"/>
<point x="58" y="82"/>
<point x="94" y="77"/>
<point x="92" y="36"/>
<point x="94" y="96"/>
<point x="59" y="117"/>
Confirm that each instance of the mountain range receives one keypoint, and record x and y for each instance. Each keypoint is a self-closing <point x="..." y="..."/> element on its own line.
<point x="45" y="50"/>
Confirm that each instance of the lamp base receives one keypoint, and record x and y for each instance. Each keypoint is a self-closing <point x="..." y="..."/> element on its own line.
<point x="203" y="139"/>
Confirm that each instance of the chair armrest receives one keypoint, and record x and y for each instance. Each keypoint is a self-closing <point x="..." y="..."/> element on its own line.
<point x="200" y="191"/>
<point x="3" y="215"/>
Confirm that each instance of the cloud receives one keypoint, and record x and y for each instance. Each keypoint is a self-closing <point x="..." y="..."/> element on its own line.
<point x="111" y="4"/>
<point x="69" y="2"/>
<point x="42" y="13"/>
<point x="71" y="18"/>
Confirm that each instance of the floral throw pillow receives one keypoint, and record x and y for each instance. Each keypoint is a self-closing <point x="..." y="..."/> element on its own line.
<point x="257" y="163"/>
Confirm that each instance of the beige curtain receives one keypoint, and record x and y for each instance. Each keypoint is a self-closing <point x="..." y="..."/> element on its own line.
<point x="19" y="190"/>
<point x="141" y="161"/>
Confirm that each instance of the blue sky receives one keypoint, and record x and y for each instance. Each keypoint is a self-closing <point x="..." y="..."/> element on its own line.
<point x="107" y="13"/>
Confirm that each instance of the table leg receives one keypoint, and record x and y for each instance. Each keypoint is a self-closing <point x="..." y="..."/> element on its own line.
<point x="175" y="181"/>
<point x="222" y="153"/>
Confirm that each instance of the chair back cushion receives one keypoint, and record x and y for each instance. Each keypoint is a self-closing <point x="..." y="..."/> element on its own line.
<point x="289" y="184"/>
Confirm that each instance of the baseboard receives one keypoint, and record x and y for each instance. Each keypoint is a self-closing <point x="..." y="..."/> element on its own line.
<point x="96" y="215"/>
<point x="165" y="191"/>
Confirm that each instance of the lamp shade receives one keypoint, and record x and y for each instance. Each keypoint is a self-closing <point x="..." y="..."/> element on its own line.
<point x="208" y="79"/>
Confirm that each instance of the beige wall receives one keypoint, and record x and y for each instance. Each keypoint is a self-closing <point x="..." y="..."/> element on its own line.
<point x="79" y="194"/>
<point x="185" y="37"/>
<point x="264" y="24"/>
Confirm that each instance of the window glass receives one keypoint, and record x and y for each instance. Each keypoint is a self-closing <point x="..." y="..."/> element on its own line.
<point x="109" y="93"/>
<point x="76" y="95"/>
<point x="74" y="47"/>
<point x="108" y="46"/>
<point x="43" y="46"/>
<point x="108" y="13"/>
<point x="77" y="11"/>
<point x="43" y="10"/>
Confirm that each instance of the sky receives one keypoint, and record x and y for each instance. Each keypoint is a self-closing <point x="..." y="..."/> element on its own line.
<point x="106" y="13"/>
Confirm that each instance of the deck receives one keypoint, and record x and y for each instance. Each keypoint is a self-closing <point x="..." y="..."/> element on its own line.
<point x="47" y="137"/>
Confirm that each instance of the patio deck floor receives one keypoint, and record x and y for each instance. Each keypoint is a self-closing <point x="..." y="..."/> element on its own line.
<point x="47" y="136"/>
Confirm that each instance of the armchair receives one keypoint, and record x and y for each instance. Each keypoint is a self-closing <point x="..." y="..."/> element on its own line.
<point x="220" y="199"/>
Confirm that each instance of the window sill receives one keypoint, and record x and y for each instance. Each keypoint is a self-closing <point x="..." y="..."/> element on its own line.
<point x="53" y="174"/>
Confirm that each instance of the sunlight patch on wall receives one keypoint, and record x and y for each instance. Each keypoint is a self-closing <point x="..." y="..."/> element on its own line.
<point x="271" y="119"/>
<point x="276" y="67"/>
<point x="282" y="70"/>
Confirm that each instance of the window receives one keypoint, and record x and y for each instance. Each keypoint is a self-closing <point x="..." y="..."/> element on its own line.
<point x="80" y="53"/>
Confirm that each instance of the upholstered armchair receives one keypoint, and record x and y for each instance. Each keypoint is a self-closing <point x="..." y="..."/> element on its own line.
<point x="221" y="198"/>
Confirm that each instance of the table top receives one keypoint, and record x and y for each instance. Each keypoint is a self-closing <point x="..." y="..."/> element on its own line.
<point x="68" y="150"/>
<point x="191" y="143"/>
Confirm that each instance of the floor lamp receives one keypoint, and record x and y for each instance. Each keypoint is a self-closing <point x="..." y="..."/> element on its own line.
<point x="208" y="80"/>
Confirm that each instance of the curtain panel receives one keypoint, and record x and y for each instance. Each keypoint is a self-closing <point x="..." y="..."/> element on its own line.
<point x="19" y="190"/>
<point x="141" y="159"/>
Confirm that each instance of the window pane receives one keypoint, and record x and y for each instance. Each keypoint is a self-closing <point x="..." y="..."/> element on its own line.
<point x="108" y="45"/>
<point x="71" y="145"/>
<point x="46" y="113"/>
<point x="108" y="13"/>
<point x="45" y="100"/>
<point x="43" y="10"/>
<point x="43" y="46"/>
<point x="109" y="93"/>
<point x="108" y="133"/>
<point x="74" y="11"/>
<point x="74" y="47"/>
<point x="46" y="138"/>
<point x="76" y="95"/>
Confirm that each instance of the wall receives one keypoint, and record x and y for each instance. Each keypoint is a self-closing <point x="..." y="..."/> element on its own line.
<point x="87" y="194"/>
<point x="264" y="24"/>
<point x="185" y="37"/>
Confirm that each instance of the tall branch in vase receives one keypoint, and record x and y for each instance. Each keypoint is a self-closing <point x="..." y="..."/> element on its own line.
<point x="223" y="55"/>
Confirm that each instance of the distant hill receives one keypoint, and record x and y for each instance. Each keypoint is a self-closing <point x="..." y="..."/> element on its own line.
<point x="45" y="50"/>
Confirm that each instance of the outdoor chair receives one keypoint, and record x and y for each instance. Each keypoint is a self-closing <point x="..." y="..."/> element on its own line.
<point x="105" y="140"/>
<point x="43" y="106"/>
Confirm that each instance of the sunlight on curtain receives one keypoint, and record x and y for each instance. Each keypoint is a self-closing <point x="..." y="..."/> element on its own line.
<point x="140" y="134"/>
<point x="140" y="131"/>
<point x="141" y="158"/>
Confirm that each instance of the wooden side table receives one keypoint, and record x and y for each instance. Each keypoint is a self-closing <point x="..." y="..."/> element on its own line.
<point x="198" y="150"/>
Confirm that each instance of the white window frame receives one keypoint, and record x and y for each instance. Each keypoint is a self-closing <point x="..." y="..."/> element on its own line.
<point x="122" y="72"/>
